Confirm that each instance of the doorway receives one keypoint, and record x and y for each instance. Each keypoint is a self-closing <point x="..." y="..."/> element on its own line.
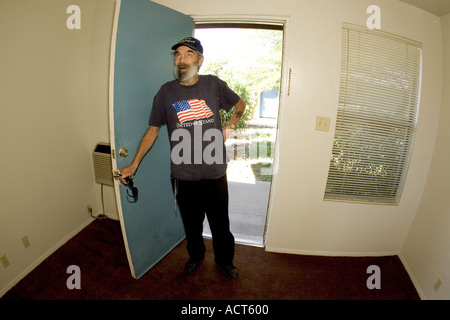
<point x="248" y="57"/>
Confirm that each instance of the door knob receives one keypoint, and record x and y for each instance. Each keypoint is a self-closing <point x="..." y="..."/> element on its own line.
<point x="123" y="152"/>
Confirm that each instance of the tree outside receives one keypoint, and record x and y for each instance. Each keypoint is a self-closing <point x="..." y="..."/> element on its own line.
<point x="250" y="63"/>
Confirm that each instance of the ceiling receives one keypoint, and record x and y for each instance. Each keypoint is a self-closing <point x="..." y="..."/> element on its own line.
<point x="437" y="7"/>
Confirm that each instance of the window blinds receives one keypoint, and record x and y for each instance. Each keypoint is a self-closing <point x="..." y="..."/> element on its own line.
<point x="377" y="116"/>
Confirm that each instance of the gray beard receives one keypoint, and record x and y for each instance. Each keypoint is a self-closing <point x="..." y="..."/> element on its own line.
<point x="185" y="76"/>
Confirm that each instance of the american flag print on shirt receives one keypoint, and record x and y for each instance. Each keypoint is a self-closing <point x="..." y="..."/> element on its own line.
<point x="192" y="109"/>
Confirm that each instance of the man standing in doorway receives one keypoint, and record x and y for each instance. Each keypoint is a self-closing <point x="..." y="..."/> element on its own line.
<point x="190" y="106"/>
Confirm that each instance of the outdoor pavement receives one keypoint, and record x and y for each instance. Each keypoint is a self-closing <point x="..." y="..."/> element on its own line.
<point x="248" y="210"/>
<point x="248" y="203"/>
<point x="248" y="198"/>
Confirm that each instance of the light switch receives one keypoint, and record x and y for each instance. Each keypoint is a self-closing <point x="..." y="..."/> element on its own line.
<point x="323" y="124"/>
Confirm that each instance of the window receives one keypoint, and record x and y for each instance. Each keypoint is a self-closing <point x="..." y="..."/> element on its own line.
<point x="377" y="116"/>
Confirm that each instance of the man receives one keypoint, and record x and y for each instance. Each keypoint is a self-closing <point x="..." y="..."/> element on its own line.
<point x="190" y="107"/>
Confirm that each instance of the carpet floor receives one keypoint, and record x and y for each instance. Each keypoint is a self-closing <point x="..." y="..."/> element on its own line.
<point x="99" y="252"/>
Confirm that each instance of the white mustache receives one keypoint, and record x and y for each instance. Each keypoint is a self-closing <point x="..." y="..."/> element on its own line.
<point x="183" y="65"/>
<point x="189" y="72"/>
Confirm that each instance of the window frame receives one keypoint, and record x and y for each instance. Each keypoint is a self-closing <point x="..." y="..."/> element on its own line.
<point x="385" y="99"/>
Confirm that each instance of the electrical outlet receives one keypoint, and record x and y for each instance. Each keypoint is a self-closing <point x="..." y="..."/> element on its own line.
<point x="437" y="285"/>
<point x="323" y="124"/>
<point x="26" y="242"/>
<point x="5" y="261"/>
<point x="89" y="209"/>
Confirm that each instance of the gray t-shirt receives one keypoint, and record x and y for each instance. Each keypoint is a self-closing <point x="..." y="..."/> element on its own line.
<point x="195" y="128"/>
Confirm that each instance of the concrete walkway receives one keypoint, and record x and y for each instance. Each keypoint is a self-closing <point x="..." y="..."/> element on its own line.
<point x="247" y="211"/>
<point x="248" y="198"/>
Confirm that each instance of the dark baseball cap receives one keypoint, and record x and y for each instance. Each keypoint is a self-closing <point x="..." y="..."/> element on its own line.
<point x="191" y="43"/>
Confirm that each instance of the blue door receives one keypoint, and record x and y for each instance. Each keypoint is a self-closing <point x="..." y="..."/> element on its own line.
<point x="141" y="62"/>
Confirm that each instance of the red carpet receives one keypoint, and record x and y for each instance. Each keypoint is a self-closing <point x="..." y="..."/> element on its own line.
<point x="99" y="252"/>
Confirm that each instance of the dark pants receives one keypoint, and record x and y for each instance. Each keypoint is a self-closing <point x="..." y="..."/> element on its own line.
<point x="210" y="197"/>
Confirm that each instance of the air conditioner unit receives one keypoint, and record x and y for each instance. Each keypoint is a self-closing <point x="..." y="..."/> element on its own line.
<point x="101" y="157"/>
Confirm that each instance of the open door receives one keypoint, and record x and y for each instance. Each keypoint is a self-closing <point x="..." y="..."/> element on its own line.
<point x="141" y="62"/>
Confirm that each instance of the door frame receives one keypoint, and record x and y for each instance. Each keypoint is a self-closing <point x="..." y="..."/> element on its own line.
<point x="284" y="85"/>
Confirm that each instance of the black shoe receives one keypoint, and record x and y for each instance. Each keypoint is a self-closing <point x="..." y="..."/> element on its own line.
<point x="230" y="270"/>
<point x="192" y="266"/>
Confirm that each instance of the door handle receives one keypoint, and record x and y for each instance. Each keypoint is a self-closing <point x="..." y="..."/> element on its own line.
<point x="117" y="175"/>
<point x="123" y="152"/>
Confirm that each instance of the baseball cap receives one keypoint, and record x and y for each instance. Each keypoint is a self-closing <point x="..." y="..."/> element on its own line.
<point x="190" y="42"/>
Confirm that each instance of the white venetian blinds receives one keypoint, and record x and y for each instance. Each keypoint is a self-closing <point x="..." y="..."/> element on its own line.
<point x="377" y="116"/>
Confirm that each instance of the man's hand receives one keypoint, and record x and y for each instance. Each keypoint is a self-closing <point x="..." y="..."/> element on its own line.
<point x="126" y="172"/>
<point x="146" y="143"/>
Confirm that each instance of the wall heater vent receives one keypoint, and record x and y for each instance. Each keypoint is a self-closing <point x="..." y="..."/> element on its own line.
<point x="101" y="157"/>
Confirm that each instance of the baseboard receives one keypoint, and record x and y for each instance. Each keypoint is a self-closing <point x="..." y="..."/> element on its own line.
<point x="412" y="277"/>
<point x="43" y="257"/>
<point x="330" y="253"/>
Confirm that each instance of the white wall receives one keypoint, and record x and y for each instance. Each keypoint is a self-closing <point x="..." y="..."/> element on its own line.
<point x="100" y="46"/>
<point x="299" y="220"/>
<point x="53" y="89"/>
<point x="426" y="249"/>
